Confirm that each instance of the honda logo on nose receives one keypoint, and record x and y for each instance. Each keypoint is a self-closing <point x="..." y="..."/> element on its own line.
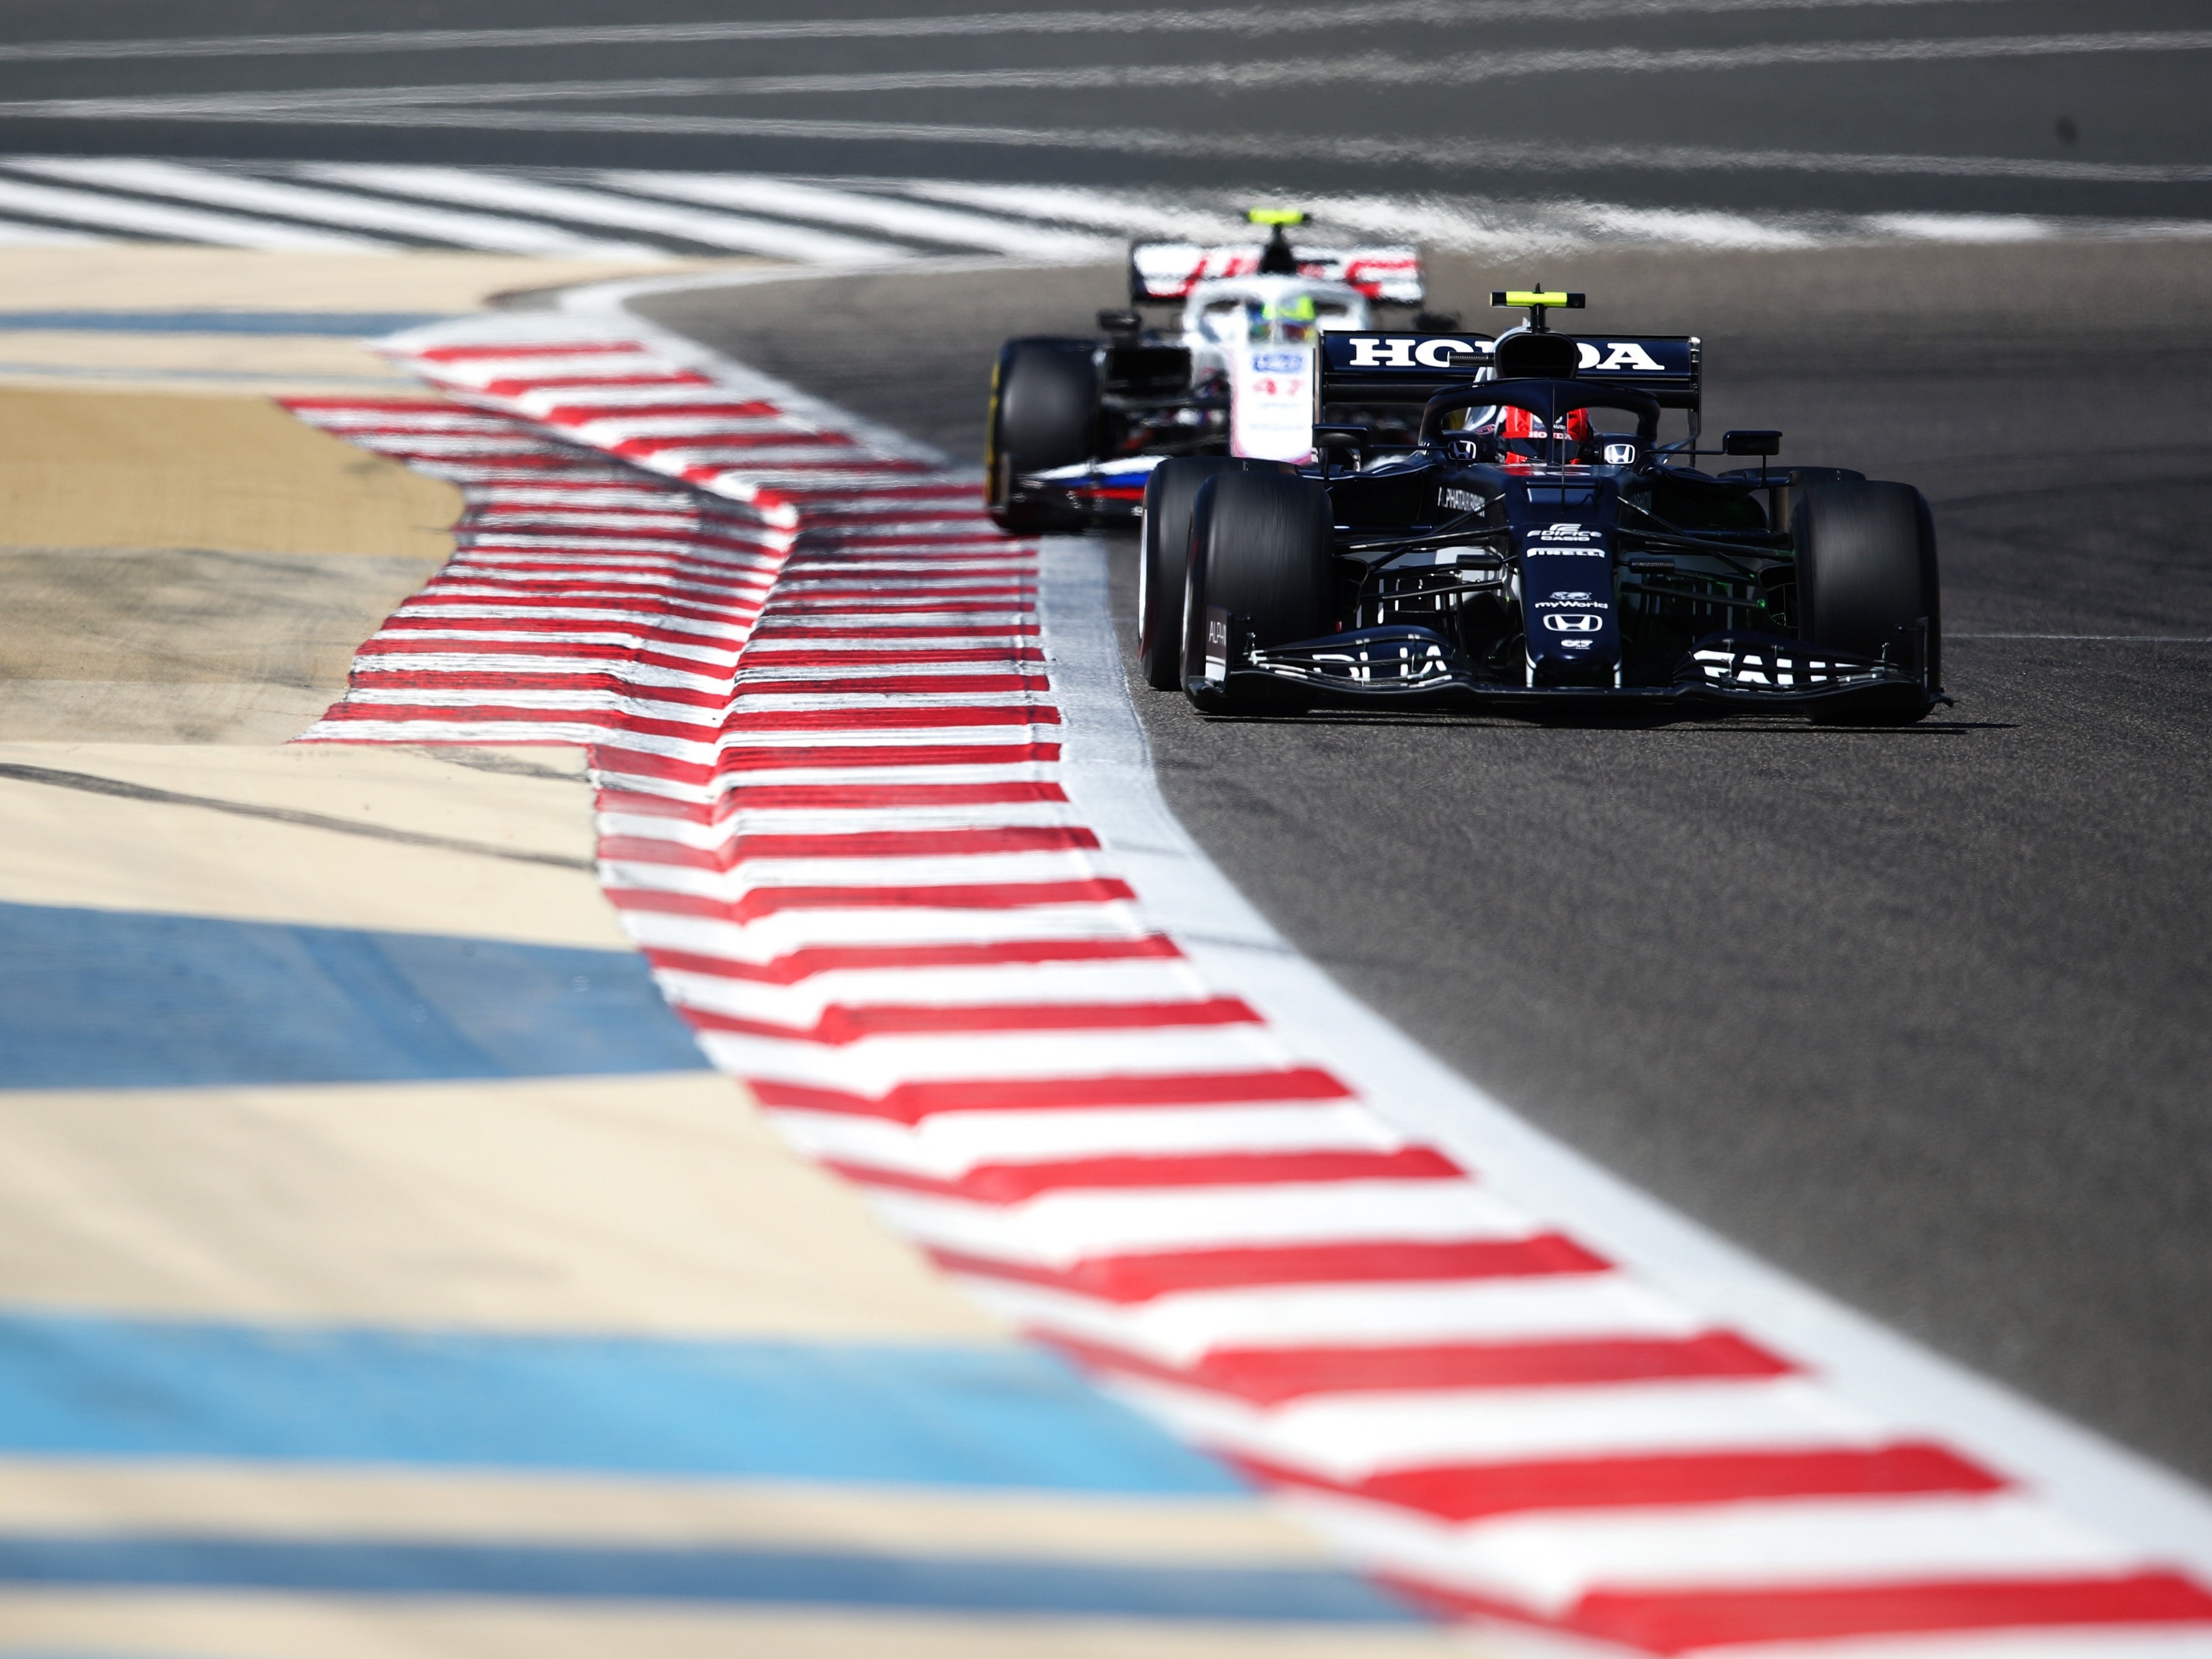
<point x="1574" y="622"/>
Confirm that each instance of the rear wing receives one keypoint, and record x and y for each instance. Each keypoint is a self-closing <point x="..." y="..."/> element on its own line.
<point x="1403" y="368"/>
<point x="1161" y="271"/>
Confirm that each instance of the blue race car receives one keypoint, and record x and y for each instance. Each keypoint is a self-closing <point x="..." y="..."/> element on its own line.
<point x="1536" y="546"/>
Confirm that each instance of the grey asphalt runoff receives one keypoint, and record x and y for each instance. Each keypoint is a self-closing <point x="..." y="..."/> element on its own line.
<point x="1594" y="101"/>
<point x="1924" y="1015"/>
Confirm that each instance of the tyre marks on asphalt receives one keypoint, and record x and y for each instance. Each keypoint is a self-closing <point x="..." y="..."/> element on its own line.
<point x="649" y="215"/>
<point x="834" y="810"/>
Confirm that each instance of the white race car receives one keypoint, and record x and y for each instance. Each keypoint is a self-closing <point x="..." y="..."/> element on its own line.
<point x="1076" y="424"/>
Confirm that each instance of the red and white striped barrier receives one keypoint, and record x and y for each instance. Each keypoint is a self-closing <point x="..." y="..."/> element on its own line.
<point x="839" y="739"/>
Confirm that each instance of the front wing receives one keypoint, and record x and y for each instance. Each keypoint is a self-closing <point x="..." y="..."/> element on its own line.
<point x="1736" y="671"/>
<point x="1090" y="492"/>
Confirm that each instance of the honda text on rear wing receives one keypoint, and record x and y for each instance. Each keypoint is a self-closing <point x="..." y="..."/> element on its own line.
<point x="1406" y="367"/>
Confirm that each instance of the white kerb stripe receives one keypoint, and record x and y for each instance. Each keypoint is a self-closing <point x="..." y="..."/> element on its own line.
<point x="588" y="207"/>
<point x="1187" y="1324"/>
<point x="1059" y="1229"/>
<point x="1553" y="1559"/>
<point x="877" y="1064"/>
<point x="1017" y="984"/>
<point x="471" y="230"/>
<point x="887" y="213"/>
<point x="176" y="224"/>
<point x="952" y="1144"/>
<point x="1145" y="979"/>
<point x="1350" y="1435"/>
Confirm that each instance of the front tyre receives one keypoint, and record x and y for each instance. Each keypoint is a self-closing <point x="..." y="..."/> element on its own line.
<point x="1169" y="493"/>
<point x="1260" y="550"/>
<point x="1044" y="414"/>
<point x="1867" y="580"/>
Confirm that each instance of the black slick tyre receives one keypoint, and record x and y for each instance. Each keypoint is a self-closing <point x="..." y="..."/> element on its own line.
<point x="1169" y="493"/>
<point x="1044" y="414"/>
<point x="1260" y="550"/>
<point x="1867" y="581"/>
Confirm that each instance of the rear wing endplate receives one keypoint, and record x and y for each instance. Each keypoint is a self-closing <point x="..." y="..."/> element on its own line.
<point x="1402" y="367"/>
<point x="1161" y="271"/>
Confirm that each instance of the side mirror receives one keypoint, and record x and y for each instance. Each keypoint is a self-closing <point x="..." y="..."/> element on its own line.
<point x="1121" y="322"/>
<point x="1761" y="444"/>
<point x="1330" y="441"/>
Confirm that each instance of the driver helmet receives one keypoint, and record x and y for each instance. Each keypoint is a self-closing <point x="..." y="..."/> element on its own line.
<point x="1518" y="432"/>
<point x="1291" y="320"/>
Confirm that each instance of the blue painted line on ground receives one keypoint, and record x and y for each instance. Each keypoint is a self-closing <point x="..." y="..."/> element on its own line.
<point x="777" y="1577"/>
<point x="109" y="1000"/>
<point x="351" y="325"/>
<point x="990" y="1416"/>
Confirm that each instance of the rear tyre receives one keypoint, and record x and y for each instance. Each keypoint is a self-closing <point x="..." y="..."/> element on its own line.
<point x="1867" y="579"/>
<point x="1169" y="493"/>
<point x="1044" y="414"/>
<point x="1260" y="549"/>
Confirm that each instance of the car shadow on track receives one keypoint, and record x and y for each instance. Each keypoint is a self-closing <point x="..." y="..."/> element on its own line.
<point x="1403" y="720"/>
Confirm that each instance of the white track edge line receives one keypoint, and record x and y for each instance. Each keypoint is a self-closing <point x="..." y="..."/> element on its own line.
<point x="1106" y="768"/>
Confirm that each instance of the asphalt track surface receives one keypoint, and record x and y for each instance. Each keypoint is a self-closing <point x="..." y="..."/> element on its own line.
<point x="1918" y="1015"/>
<point x="1841" y="107"/>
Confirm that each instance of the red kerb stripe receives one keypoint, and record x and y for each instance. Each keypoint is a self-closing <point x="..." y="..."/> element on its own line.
<point x="912" y="1103"/>
<point x="453" y="680"/>
<point x="1011" y="1184"/>
<point x="604" y="719"/>
<point x="1470" y="1491"/>
<point x="887" y="685"/>
<point x="805" y="964"/>
<point x="579" y="414"/>
<point x="895" y="659"/>
<point x="838" y="1025"/>
<point x="639" y="763"/>
<point x="1664" y="1623"/>
<point x="730" y="450"/>
<point x="406" y="645"/>
<point x="517" y="388"/>
<point x="1271" y="1377"/>
<point x="771" y="628"/>
<point x="888" y="719"/>
<point x="1132" y="1279"/>
<point x="772" y="901"/>
<point x="867" y="844"/>
<point x="772" y="797"/>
